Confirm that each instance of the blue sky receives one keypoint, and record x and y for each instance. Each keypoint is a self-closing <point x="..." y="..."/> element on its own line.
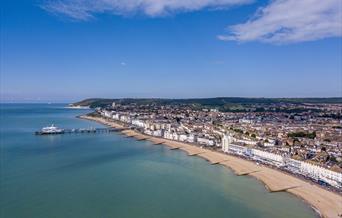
<point x="62" y="51"/>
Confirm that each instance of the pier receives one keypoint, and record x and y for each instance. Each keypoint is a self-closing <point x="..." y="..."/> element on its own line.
<point x="81" y="130"/>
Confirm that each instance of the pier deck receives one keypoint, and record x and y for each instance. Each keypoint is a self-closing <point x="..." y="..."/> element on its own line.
<point x="82" y="130"/>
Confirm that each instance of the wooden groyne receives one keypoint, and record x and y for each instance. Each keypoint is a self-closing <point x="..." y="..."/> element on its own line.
<point x="158" y="143"/>
<point x="285" y="189"/>
<point x="248" y="173"/>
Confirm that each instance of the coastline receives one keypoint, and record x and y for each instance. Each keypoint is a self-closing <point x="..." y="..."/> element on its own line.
<point x="77" y="107"/>
<point x="326" y="203"/>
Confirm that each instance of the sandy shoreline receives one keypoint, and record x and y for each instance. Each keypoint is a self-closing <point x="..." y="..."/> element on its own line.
<point x="327" y="203"/>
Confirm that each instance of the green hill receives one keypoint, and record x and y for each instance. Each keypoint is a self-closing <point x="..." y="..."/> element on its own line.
<point x="218" y="102"/>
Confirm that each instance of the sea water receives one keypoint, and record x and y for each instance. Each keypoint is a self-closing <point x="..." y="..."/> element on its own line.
<point x="107" y="175"/>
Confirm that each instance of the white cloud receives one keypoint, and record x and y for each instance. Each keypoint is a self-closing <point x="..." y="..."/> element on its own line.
<point x="123" y="63"/>
<point x="289" y="21"/>
<point x="281" y="21"/>
<point x="85" y="9"/>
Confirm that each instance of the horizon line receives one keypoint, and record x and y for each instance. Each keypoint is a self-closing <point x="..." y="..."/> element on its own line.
<point x="36" y="101"/>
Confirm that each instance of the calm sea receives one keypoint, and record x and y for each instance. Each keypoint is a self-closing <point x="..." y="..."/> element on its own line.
<point x="107" y="175"/>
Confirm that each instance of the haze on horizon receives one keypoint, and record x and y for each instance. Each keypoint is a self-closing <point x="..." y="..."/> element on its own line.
<point x="64" y="51"/>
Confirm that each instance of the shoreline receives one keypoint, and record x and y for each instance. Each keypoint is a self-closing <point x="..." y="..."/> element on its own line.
<point x="77" y="107"/>
<point x="327" y="204"/>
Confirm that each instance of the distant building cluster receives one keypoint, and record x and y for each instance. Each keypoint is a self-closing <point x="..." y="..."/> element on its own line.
<point x="305" y="142"/>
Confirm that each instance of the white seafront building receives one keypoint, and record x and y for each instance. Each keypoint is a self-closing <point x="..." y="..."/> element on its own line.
<point x="138" y="123"/>
<point x="321" y="173"/>
<point x="306" y="169"/>
<point x="267" y="157"/>
<point x="227" y="139"/>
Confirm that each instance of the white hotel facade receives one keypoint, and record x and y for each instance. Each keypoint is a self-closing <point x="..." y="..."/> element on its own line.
<point x="312" y="171"/>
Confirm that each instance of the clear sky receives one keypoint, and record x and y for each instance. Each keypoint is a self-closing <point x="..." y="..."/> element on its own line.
<point x="68" y="50"/>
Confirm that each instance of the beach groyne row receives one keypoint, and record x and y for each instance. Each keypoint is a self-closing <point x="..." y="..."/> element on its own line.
<point x="328" y="204"/>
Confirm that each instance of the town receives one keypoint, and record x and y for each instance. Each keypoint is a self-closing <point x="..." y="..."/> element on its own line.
<point x="305" y="141"/>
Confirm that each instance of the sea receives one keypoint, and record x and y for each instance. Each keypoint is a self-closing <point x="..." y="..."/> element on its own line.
<point x="108" y="175"/>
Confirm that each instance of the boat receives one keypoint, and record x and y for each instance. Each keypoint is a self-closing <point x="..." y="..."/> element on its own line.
<point x="50" y="130"/>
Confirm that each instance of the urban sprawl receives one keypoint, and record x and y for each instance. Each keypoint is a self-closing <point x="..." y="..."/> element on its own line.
<point x="306" y="142"/>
